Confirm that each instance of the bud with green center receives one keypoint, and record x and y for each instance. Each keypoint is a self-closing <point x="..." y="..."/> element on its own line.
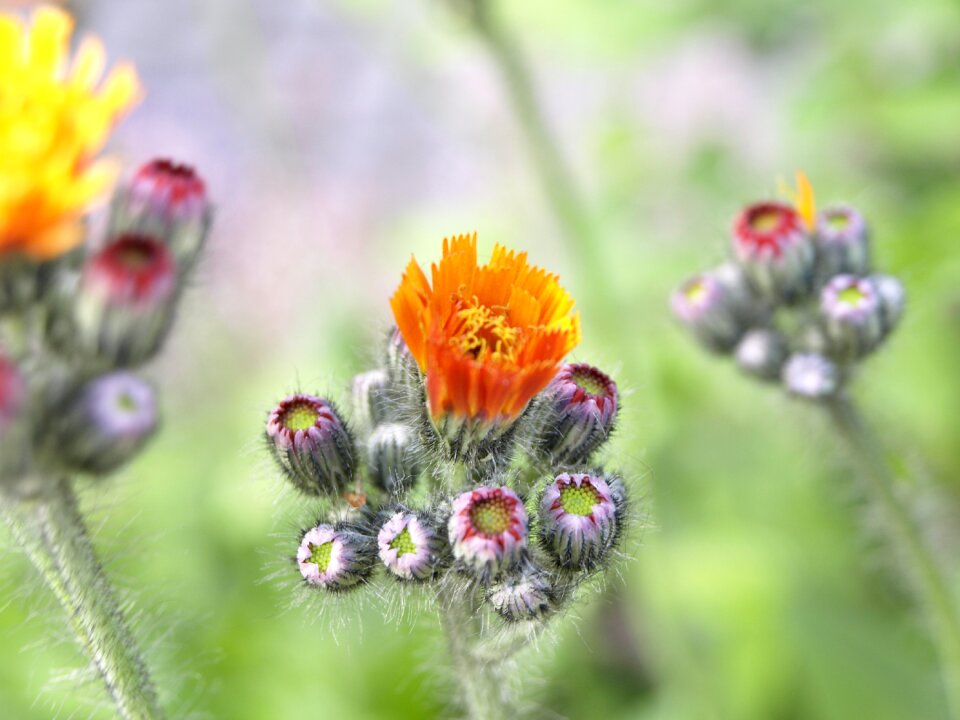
<point x="852" y="313"/>
<point x="717" y="306"/>
<point x="488" y="530"/>
<point x="580" y="519"/>
<point x="311" y="444"/>
<point x="336" y="557"/>
<point x="410" y="547"/>
<point x="843" y="242"/>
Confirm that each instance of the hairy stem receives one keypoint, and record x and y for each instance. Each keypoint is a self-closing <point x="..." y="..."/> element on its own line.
<point x="52" y="533"/>
<point x="483" y="690"/>
<point x="931" y="583"/>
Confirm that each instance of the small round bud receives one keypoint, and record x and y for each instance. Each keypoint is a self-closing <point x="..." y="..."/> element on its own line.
<point x="715" y="305"/>
<point x="102" y="425"/>
<point x="370" y="398"/>
<point x="893" y="299"/>
<point x="391" y="459"/>
<point x="852" y="313"/>
<point x="574" y="415"/>
<point x="166" y="200"/>
<point x="579" y="520"/>
<point x="488" y="530"/>
<point x="409" y="546"/>
<point x="124" y="305"/>
<point x="336" y="557"/>
<point x="761" y="353"/>
<point x="523" y="595"/>
<point x="775" y="251"/>
<point x="311" y="444"/>
<point x="811" y="376"/>
<point x="843" y="242"/>
<point x="14" y="430"/>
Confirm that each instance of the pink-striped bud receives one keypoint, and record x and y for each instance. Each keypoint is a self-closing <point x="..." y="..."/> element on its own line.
<point x="580" y="518"/>
<point x="336" y="557"/>
<point x="488" y="530"/>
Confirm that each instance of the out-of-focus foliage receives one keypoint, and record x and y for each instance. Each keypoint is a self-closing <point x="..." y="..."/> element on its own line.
<point x="339" y="137"/>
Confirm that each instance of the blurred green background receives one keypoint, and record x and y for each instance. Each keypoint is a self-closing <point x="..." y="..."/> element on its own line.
<point x="338" y="137"/>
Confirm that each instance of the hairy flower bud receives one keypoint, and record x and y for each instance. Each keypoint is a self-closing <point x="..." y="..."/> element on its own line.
<point x="311" y="444"/>
<point x="409" y="545"/>
<point x="104" y="424"/>
<point x="370" y="398"/>
<point x="843" y="242"/>
<point x="488" y="530"/>
<point x="124" y="305"/>
<point x="852" y="313"/>
<point x="811" y="376"/>
<point x="391" y="459"/>
<point x="574" y="415"/>
<point x="775" y="250"/>
<point x="716" y="306"/>
<point x="893" y="299"/>
<point x="167" y="200"/>
<point x="524" y="594"/>
<point x="580" y="518"/>
<point x="761" y="353"/>
<point x="336" y="557"/>
<point x="14" y="431"/>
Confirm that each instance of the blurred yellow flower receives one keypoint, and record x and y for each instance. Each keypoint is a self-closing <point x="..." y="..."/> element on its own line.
<point x="54" y="119"/>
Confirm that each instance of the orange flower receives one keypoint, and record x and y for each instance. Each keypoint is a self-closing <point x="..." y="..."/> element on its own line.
<point x="53" y="122"/>
<point x="488" y="338"/>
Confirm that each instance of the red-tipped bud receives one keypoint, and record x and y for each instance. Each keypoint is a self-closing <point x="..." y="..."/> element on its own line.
<point x="580" y="518"/>
<point x="488" y="530"/>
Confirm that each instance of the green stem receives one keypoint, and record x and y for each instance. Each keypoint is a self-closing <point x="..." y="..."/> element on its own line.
<point x="52" y="533"/>
<point x="931" y="583"/>
<point x="483" y="689"/>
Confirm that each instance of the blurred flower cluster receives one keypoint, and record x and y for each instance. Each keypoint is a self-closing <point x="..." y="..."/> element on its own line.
<point x="78" y="314"/>
<point x="800" y="302"/>
<point x="470" y="460"/>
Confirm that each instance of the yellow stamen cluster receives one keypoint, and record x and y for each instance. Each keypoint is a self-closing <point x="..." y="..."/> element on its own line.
<point x="54" y="120"/>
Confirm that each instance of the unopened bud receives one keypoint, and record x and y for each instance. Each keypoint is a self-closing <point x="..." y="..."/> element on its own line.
<point x="103" y="425"/>
<point x="852" y="313"/>
<point x="391" y="458"/>
<point x="843" y="242"/>
<point x="580" y="518"/>
<point x="716" y="306"/>
<point x="166" y="200"/>
<point x="811" y="376"/>
<point x="524" y="594"/>
<point x="488" y="530"/>
<point x="893" y="299"/>
<point x="14" y="425"/>
<point x="370" y="399"/>
<point x="574" y="415"/>
<point x="336" y="557"/>
<point x="775" y="250"/>
<point x="125" y="302"/>
<point x="311" y="444"/>
<point x="761" y="353"/>
<point x="410" y="546"/>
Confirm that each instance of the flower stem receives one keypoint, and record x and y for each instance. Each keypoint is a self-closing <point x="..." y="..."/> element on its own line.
<point x="931" y="583"/>
<point x="52" y="533"/>
<point x="483" y="689"/>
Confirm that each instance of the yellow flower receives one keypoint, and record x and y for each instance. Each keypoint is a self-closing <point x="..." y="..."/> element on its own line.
<point x="54" y="119"/>
<point x="488" y="337"/>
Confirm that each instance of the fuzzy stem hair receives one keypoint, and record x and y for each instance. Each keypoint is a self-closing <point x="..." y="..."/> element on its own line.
<point x="52" y="533"/>
<point x="929" y="579"/>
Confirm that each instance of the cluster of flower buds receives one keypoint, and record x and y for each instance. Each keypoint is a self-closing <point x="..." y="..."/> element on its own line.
<point x="800" y="303"/>
<point x="514" y="511"/>
<point x="73" y="330"/>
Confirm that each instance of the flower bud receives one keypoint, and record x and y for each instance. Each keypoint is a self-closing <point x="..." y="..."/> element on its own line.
<point x="843" y="242"/>
<point x="488" y="530"/>
<point x="574" y="415"/>
<point x="761" y="353"/>
<point x="370" y="399"/>
<point x="716" y="306"/>
<point x="166" y="200"/>
<point x="311" y="444"/>
<point x="893" y="299"/>
<point x="852" y="313"/>
<point x="775" y="251"/>
<point x="124" y="305"/>
<point x="336" y="557"/>
<point x="104" y="424"/>
<point x="580" y="519"/>
<point x="25" y="281"/>
<point x="391" y="459"/>
<point x="523" y="595"/>
<point x="409" y="546"/>
<point x="811" y="376"/>
<point x="14" y="425"/>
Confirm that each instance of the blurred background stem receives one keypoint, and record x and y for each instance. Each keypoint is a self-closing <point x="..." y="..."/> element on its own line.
<point x="52" y="533"/>
<point x="929" y="578"/>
